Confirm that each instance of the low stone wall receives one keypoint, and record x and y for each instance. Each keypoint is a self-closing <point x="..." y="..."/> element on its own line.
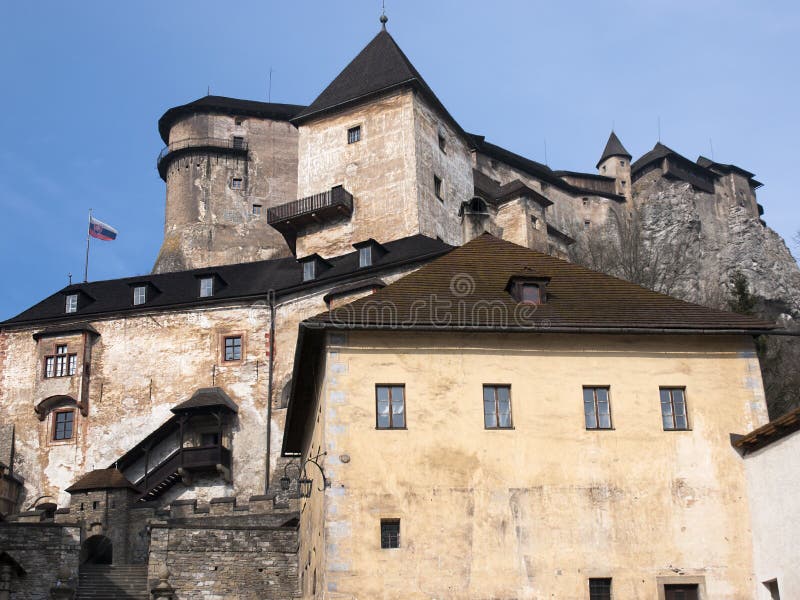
<point x="41" y="549"/>
<point x="212" y="561"/>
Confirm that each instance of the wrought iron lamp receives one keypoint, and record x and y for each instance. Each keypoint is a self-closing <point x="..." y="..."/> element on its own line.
<point x="304" y="483"/>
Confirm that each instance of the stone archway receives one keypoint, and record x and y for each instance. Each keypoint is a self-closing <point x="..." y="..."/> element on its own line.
<point x="97" y="550"/>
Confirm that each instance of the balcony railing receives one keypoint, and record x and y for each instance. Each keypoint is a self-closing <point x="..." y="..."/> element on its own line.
<point x="232" y="146"/>
<point x="162" y="476"/>
<point x="336" y="201"/>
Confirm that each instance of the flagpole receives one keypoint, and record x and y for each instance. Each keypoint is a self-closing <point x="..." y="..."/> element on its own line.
<point x="86" y="264"/>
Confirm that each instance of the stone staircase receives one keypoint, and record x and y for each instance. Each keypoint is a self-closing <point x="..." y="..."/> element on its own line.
<point x="113" y="582"/>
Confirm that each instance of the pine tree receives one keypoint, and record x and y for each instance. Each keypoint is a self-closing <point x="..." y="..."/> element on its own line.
<point x="742" y="301"/>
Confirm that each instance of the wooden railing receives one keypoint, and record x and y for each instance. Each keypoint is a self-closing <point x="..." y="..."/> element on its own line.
<point x="335" y="197"/>
<point x="202" y="457"/>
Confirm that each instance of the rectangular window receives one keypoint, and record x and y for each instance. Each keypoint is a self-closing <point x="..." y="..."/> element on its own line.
<point x="209" y="439"/>
<point x="60" y="365"/>
<point x="233" y="348"/>
<point x="600" y="588"/>
<point x="531" y="293"/>
<point x="391" y="406"/>
<point x="681" y="592"/>
<point x="437" y="187"/>
<point x="309" y="270"/>
<point x="354" y="134"/>
<point x="63" y="425"/>
<point x="72" y="303"/>
<point x="596" y="408"/>
<point x="206" y="287"/>
<point x="497" y="406"/>
<point x="390" y="533"/>
<point x="442" y="143"/>
<point x="236" y="183"/>
<point x="257" y="209"/>
<point x="673" y="409"/>
<point x="139" y="295"/>
<point x="587" y="225"/>
<point x="586" y="202"/>
<point x="238" y="142"/>
<point x="364" y="257"/>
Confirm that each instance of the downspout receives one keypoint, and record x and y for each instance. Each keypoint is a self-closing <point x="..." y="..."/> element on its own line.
<point x="271" y="300"/>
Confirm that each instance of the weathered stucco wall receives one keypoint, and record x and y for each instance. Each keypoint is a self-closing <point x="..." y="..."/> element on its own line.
<point x="775" y="513"/>
<point x="536" y="510"/>
<point x="209" y="221"/>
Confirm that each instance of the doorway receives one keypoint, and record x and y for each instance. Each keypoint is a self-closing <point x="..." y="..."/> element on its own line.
<point x="97" y="550"/>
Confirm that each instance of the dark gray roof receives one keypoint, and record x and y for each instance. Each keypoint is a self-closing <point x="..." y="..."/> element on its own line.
<point x="209" y="397"/>
<point x="65" y="329"/>
<point x="101" y="479"/>
<point x="613" y="148"/>
<point x="659" y="151"/>
<point x="495" y="193"/>
<point x="228" y="106"/>
<point x="379" y="68"/>
<point x="246" y="280"/>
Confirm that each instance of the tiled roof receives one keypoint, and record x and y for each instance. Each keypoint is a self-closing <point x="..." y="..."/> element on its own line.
<point x="466" y="288"/>
<point x="211" y="397"/>
<point x="256" y="279"/>
<point x="769" y="433"/>
<point x="101" y="479"/>
<point x="613" y="148"/>
<point x="225" y="105"/>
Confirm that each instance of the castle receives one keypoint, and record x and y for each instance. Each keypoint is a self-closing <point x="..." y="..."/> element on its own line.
<point x="286" y="406"/>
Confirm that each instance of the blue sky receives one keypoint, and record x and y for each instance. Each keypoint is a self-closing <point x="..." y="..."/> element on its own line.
<point x="84" y="83"/>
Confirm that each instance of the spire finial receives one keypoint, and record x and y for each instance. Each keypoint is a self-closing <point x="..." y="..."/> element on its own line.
<point x="384" y="18"/>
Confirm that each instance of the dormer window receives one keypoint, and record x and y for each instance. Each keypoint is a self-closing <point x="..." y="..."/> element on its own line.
<point x="313" y="266"/>
<point x="368" y="252"/>
<point x="528" y="289"/>
<point x="139" y="295"/>
<point x="72" y="303"/>
<point x="309" y="270"/>
<point x="206" y="287"/>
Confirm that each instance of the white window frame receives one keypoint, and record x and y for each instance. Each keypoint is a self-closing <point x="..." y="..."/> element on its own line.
<point x="71" y="305"/>
<point x="139" y="295"/>
<point x="206" y="287"/>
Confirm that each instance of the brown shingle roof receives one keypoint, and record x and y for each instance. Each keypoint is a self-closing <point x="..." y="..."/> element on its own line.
<point x="769" y="433"/>
<point x="211" y="397"/>
<point x="466" y="288"/>
<point x="101" y="479"/>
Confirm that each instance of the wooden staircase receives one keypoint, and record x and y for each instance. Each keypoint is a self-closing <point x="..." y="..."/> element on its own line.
<point x="112" y="582"/>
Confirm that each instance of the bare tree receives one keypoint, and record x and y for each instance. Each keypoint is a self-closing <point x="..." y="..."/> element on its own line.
<point x="625" y="248"/>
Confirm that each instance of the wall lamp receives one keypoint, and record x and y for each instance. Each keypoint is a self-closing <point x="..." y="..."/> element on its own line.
<point x="304" y="483"/>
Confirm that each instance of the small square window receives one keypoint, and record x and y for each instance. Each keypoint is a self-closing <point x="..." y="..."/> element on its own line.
<point x="622" y="163"/>
<point x="531" y="293"/>
<point x="673" y="409"/>
<point x="437" y="187"/>
<point x="596" y="408"/>
<point x="72" y="303"/>
<point x="586" y="202"/>
<point x="600" y="588"/>
<point x="238" y="121"/>
<point x="309" y="270"/>
<point x="233" y="348"/>
<point x="586" y="225"/>
<point x="236" y="183"/>
<point x="681" y="592"/>
<point x="257" y="209"/>
<point x="206" y="287"/>
<point x="390" y="403"/>
<point x="238" y="142"/>
<point x="354" y="134"/>
<point x="365" y="257"/>
<point x="497" y="406"/>
<point x="139" y="295"/>
<point x="390" y="533"/>
<point x="63" y="424"/>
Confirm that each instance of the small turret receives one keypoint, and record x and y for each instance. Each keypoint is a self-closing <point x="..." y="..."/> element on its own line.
<point x="616" y="162"/>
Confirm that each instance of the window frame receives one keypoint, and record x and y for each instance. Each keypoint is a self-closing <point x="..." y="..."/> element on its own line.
<point x="601" y="594"/>
<point x="671" y="389"/>
<point x="210" y="281"/>
<point x="237" y="183"/>
<point x="238" y="142"/>
<point x="71" y="304"/>
<point x="438" y="185"/>
<point x="353" y="134"/>
<point x="55" y="423"/>
<point x="389" y="387"/>
<point x="138" y="301"/>
<point x="365" y="257"/>
<point x="60" y="364"/>
<point x="442" y="142"/>
<point x="596" y="407"/>
<point x="258" y="210"/>
<point x="309" y="270"/>
<point x="497" y="425"/>
<point x="233" y="338"/>
<point x="387" y="523"/>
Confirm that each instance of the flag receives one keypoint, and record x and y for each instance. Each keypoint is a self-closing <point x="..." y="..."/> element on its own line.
<point x="101" y="231"/>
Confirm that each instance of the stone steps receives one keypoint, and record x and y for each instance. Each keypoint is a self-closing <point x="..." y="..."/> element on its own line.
<point x="112" y="582"/>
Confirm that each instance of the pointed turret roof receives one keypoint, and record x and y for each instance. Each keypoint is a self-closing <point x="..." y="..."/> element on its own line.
<point x="379" y="68"/>
<point x="613" y="148"/>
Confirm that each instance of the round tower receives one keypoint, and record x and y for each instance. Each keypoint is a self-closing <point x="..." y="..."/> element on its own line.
<point x="226" y="161"/>
<point x="616" y="163"/>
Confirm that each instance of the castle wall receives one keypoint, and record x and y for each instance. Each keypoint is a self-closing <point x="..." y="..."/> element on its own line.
<point x="379" y="171"/>
<point x="210" y="222"/>
<point x="536" y="510"/>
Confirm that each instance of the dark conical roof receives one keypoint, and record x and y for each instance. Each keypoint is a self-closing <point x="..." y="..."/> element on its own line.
<point x="613" y="148"/>
<point x="380" y="67"/>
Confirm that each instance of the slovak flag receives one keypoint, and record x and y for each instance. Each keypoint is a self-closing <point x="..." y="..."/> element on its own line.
<point x="101" y="231"/>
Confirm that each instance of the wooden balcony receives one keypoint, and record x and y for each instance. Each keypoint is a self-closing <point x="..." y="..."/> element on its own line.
<point x="327" y="206"/>
<point x="179" y="466"/>
<point x="217" y="146"/>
